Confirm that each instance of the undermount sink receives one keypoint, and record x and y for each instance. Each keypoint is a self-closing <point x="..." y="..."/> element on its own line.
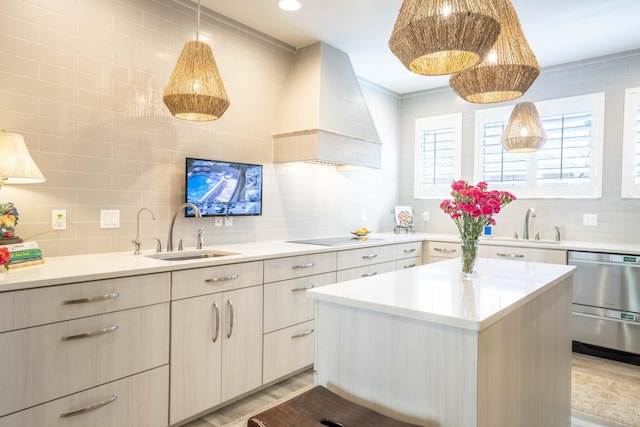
<point x="189" y="255"/>
<point x="520" y="241"/>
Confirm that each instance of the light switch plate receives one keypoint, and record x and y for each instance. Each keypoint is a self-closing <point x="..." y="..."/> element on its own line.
<point x="590" y="219"/>
<point x="228" y="221"/>
<point x="109" y="218"/>
<point x="218" y="222"/>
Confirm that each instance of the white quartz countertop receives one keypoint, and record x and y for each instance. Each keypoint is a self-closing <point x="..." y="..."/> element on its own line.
<point x="437" y="293"/>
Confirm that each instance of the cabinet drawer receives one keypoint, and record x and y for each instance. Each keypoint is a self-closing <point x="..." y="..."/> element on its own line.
<point x="401" y="264"/>
<point x="298" y="266"/>
<point x="141" y="401"/>
<point x="288" y="350"/>
<point x="208" y="280"/>
<point x="365" y="256"/>
<point x="286" y="302"/>
<point x="444" y="249"/>
<point x="47" y="362"/>
<point x="369" y="270"/>
<point x="33" y="307"/>
<point x="551" y="256"/>
<point x="409" y="250"/>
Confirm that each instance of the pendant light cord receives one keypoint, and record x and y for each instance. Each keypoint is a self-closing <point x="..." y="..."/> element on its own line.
<point x="198" y="24"/>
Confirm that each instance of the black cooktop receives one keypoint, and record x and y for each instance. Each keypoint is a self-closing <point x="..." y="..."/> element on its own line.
<point x="337" y="241"/>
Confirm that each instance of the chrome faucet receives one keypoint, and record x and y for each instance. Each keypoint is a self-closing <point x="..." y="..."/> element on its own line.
<point x="171" y="238"/>
<point x="531" y="213"/>
<point x="137" y="242"/>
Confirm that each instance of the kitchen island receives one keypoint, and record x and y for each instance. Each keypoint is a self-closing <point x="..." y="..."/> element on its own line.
<point x="424" y="346"/>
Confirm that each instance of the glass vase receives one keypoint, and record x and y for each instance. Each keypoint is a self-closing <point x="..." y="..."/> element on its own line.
<point x="469" y="255"/>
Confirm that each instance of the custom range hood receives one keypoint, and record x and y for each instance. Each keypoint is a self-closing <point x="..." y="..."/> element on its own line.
<point x="323" y="117"/>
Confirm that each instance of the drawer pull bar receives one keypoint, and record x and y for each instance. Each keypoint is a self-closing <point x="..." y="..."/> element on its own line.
<point x="222" y="278"/>
<point x="230" y="304"/>
<point x="91" y="334"/>
<point x="216" y="319"/>
<point x="444" y="250"/>
<point x="372" y="256"/>
<point x="302" y="334"/>
<point x="307" y="265"/>
<point x="510" y="255"/>
<point x="370" y="274"/>
<point x="90" y="407"/>
<point x="92" y="299"/>
<point x="305" y="288"/>
<point x="408" y="251"/>
<point x="409" y="266"/>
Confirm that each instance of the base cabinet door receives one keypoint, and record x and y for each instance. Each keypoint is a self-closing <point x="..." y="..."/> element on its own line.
<point x="139" y="400"/>
<point x="216" y="350"/>
<point x="196" y="349"/>
<point x="241" y="341"/>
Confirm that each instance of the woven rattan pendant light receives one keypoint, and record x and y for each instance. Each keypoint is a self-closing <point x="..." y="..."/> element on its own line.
<point x="437" y="37"/>
<point x="524" y="132"/>
<point x="195" y="90"/>
<point x="507" y="71"/>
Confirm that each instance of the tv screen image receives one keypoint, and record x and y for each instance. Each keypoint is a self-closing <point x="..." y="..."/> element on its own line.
<point x="221" y="188"/>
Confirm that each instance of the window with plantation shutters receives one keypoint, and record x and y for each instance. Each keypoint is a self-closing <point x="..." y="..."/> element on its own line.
<point x="437" y="155"/>
<point x="631" y="145"/>
<point x="568" y="165"/>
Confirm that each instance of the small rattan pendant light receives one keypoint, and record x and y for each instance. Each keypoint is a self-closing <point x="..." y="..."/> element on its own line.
<point x="524" y="132"/>
<point x="437" y="37"/>
<point x="507" y="71"/>
<point x="195" y="90"/>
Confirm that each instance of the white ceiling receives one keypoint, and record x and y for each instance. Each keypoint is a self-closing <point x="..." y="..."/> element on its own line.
<point x="558" y="31"/>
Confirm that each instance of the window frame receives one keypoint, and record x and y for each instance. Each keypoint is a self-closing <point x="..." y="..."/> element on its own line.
<point x="630" y="145"/>
<point x="422" y="124"/>
<point x="595" y="103"/>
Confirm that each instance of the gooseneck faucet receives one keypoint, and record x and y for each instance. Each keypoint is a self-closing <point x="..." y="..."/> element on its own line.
<point x="531" y="213"/>
<point x="136" y="242"/>
<point x="171" y="237"/>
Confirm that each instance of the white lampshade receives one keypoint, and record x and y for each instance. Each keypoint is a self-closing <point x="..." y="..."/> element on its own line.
<point x="16" y="164"/>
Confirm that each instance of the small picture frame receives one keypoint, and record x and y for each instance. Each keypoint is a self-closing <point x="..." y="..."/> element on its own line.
<point x="403" y="216"/>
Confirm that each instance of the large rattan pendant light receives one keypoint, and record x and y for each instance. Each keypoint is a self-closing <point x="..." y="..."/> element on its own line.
<point x="507" y="71"/>
<point x="195" y="91"/>
<point x="524" y="132"/>
<point x="437" y="37"/>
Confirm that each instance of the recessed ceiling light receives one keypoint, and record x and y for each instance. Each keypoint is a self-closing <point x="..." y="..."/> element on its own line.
<point x="289" y="4"/>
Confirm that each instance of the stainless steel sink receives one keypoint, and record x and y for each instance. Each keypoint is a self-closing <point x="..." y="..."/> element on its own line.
<point x="520" y="242"/>
<point x="189" y="255"/>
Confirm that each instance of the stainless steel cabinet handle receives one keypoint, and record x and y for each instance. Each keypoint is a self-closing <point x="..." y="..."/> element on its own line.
<point x="222" y="278"/>
<point x="370" y="274"/>
<point x="216" y="319"/>
<point x="91" y="334"/>
<point x="305" y="288"/>
<point x="445" y="250"/>
<point x="510" y="255"/>
<point x="409" y="266"/>
<point x="307" y="265"/>
<point x="89" y="408"/>
<point x="369" y="256"/>
<point x="230" y="305"/>
<point x="302" y="334"/>
<point x="408" y="251"/>
<point x="113" y="295"/>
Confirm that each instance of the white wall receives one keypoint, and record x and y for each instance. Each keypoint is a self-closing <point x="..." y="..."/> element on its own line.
<point x="618" y="219"/>
<point x="82" y="81"/>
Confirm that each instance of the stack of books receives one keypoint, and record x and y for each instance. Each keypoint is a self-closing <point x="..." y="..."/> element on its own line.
<point x="24" y="254"/>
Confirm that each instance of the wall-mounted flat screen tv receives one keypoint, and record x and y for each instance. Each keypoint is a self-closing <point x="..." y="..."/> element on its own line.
<point x="220" y="188"/>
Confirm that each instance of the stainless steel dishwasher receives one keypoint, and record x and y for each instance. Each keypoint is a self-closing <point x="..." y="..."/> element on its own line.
<point x="606" y="305"/>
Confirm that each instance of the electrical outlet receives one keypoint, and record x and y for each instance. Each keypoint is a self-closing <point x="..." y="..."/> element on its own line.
<point x="218" y="222"/>
<point x="59" y="219"/>
<point x="590" y="219"/>
<point x="363" y="216"/>
<point x="425" y="216"/>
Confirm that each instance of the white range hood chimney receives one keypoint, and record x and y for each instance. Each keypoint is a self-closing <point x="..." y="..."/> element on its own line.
<point x="323" y="117"/>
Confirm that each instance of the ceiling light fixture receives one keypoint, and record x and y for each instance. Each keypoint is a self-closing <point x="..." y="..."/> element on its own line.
<point x="289" y="5"/>
<point x="437" y="37"/>
<point x="524" y="132"/>
<point x="508" y="70"/>
<point x="195" y="90"/>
